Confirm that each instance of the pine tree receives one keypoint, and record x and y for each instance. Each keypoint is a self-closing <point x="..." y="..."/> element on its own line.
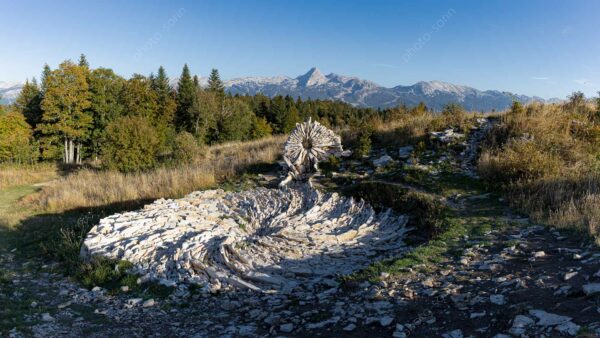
<point x="83" y="62"/>
<point x="186" y="99"/>
<point x="66" y="102"/>
<point x="291" y="118"/>
<point x="45" y="74"/>
<point x="166" y="105"/>
<point x="215" y="84"/>
<point x="196" y="81"/>
<point x="28" y="102"/>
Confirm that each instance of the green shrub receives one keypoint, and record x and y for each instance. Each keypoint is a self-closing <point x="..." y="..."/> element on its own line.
<point x="260" y="128"/>
<point x="332" y="164"/>
<point x="132" y="145"/>
<point x="16" y="144"/>
<point x="454" y="115"/>
<point x="426" y="213"/>
<point x="363" y="141"/>
<point x="186" y="148"/>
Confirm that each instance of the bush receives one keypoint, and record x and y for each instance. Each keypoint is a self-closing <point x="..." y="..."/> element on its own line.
<point x="331" y="165"/>
<point x="427" y="213"/>
<point x="15" y="139"/>
<point x="132" y="145"/>
<point x="260" y="128"/>
<point x="363" y="140"/>
<point x="235" y="122"/>
<point x="520" y="160"/>
<point x="187" y="149"/>
<point x="454" y="115"/>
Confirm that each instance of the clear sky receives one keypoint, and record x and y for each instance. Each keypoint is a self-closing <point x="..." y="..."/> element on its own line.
<point x="544" y="48"/>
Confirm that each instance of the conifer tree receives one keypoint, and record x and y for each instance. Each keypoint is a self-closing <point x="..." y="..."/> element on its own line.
<point x="215" y="84"/>
<point x="186" y="98"/>
<point x="166" y="104"/>
<point x="66" y="117"/>
<point x="45" y="74"/>
<point x="28" y="102"/>
<point x="83" y="62"/>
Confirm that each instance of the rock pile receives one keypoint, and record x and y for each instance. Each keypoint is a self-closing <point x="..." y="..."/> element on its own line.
<point x="260" y="239"/>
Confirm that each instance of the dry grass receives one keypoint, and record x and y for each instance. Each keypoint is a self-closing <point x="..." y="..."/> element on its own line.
<point x="547" y="160"/>
<point x="15" y="175"/>
<point x="90" y="188"/>
<point x="413" y="127"/>
<point x="566" y="202"/>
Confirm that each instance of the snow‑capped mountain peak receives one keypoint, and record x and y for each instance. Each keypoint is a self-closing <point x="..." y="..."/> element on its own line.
<point x="9" y="91"/>
<point x="433" y="87"/>
<point x="363" y="93"/>
<point x="313" y="77"/>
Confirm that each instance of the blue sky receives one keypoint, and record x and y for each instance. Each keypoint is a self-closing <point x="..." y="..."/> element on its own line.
<point x="545" y="48"/>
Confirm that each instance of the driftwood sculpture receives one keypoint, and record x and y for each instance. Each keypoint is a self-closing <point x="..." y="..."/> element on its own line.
<point x="308" y="144"/>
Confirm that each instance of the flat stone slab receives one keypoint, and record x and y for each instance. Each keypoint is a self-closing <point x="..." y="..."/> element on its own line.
<point x="260" y="239"/>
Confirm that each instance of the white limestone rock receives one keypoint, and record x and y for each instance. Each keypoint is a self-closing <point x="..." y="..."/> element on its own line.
<point x="260" y="239"/>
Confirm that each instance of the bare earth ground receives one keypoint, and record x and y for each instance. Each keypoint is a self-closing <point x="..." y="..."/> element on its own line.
<point x="503" y="275"/>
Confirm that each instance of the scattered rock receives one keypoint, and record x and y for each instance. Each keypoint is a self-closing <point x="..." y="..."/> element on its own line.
<point x="497" y="299"/>
<point x="520" y="325"/>
<point x="382" y="161"/>
<point x="46" y="317"/>
<point x="287" y="328"/>
<point x="386" y="320"/>
<point x="453" y="334"/>
<point x="592" y="288"/>
<point x="405" y="152"/>
<point x="548" y="319"/>
<point x="349" y="327"/>
<point x="569" y="328"/>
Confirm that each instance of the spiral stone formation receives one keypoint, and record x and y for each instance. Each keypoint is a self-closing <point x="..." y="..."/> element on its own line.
<point x="260" y="239"/>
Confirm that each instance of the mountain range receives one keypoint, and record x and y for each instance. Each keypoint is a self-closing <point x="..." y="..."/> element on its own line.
<point x="9" y="91"/>
<point x="357" y="92"/>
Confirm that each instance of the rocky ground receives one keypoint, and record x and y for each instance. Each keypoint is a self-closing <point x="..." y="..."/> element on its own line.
<point x="496" y="275"/>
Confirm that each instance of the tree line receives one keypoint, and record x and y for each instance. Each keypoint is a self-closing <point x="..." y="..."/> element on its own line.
<point x="76" y="113"/>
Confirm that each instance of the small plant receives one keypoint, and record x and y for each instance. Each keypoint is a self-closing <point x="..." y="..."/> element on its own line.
<point x="331" y="165"/>
<point x="363" y="140"/>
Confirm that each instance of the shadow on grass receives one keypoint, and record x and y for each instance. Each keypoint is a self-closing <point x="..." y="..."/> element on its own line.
<point x="57" y="237"/>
